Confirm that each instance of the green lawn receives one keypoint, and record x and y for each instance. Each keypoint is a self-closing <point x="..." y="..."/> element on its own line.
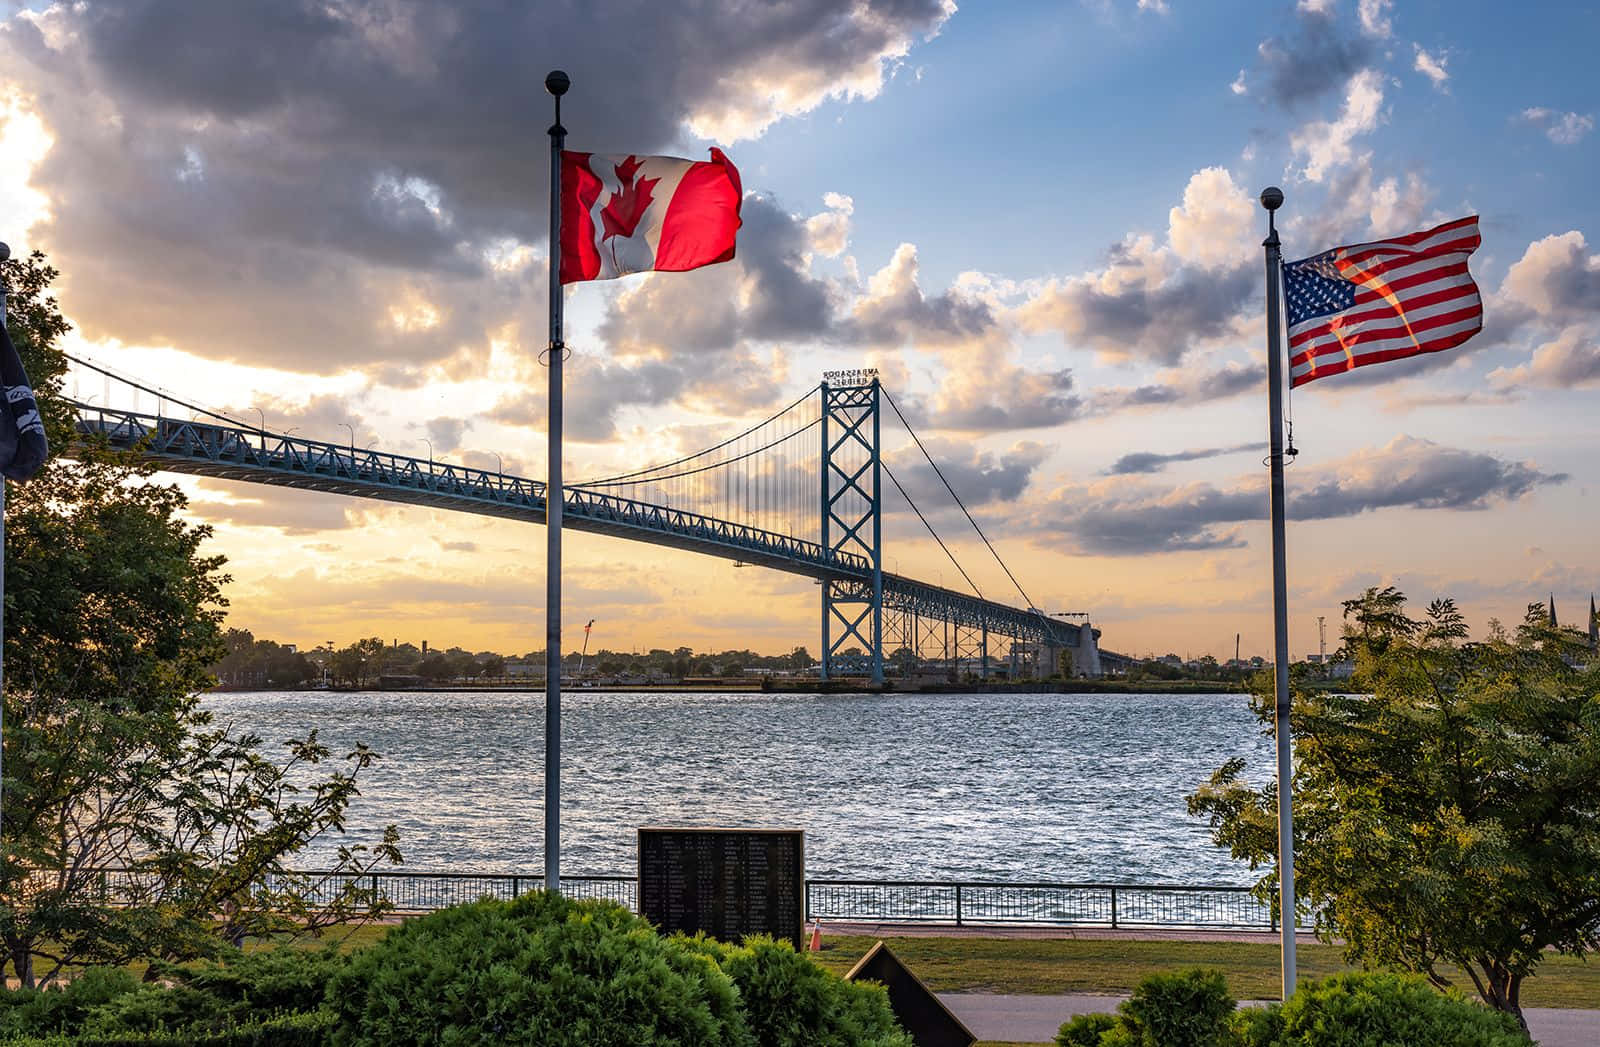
<point x="1031" y="965"/>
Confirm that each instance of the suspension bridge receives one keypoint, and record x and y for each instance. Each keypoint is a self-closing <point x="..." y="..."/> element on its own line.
<point x="801" y="491"/>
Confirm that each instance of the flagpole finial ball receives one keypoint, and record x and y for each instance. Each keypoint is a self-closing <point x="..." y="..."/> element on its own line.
<point x="557" y="83"/>
<point x="1272" y="198"/>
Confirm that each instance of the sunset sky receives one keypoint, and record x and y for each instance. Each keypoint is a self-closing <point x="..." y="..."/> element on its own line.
<point x="1037" y="219"/>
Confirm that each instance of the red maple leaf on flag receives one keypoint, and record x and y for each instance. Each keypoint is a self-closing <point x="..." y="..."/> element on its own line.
<point x="623" y="212"/>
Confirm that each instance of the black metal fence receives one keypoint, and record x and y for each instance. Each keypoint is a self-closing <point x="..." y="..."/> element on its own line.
<point x="879" y="901"/>
<point x="962" y="904"/>
<point x="1043" y="904"/>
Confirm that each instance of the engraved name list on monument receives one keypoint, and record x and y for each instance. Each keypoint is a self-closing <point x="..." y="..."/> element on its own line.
<point x="729" y="883"/>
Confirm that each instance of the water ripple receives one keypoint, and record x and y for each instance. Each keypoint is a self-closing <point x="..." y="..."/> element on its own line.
<point x="990" y="786"/>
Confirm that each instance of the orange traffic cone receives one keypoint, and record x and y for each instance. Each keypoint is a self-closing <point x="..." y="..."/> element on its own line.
<point x="816" y="937"/>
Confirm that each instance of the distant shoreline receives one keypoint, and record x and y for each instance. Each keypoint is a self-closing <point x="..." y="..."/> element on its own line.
<point x="797" y="687"/>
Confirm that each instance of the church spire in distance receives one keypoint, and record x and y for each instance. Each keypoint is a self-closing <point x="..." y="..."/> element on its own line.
<point x="1552" y="610"/>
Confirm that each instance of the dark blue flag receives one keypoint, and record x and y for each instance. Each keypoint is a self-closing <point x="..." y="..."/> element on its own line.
<point x="22" y="443"/>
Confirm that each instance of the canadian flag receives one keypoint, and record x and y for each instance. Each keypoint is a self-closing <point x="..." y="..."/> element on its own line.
<point x="632" y="214"/>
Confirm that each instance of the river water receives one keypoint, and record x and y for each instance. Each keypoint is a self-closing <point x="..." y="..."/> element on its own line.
<point x="980" y="786"/>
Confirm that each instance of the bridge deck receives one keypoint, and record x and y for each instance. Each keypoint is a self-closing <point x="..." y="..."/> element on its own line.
<point x="257" y="456"/>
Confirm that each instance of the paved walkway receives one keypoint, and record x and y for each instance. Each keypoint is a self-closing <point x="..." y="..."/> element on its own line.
<point x="1035" y="1019"/>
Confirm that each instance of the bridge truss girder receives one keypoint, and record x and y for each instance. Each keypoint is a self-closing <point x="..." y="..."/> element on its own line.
<point x="853" y="581"/>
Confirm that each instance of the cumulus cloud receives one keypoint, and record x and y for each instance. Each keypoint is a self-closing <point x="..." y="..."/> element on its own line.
<point x="1004" y="397"/>
<point x="1154" y="462"/>
<point x="1184" y="385"/>
<point x="1374" y="17"/>
<point x="895" y="309"/>
<point x="1433" y="66"/>
<point x="1556" y="279"/>
<point x="1212" y="227"/>
<point x="1571" y="360"/>
<point x="1560" y="128"/>
<point x="979" y="477"/>
<point x="830" y="230"/>
<point x="1329" y="144"/>
<point x="446" y="433"/>
<point x="1318" y="57"/>
<point x="1143" y="305"/>
<point x="1118" y="517"/>
<point x="322" y="185"/>
<point x="321" y="417"/>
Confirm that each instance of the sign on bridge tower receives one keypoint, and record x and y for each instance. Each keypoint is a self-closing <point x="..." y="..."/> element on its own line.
<point x="852" y="522"/>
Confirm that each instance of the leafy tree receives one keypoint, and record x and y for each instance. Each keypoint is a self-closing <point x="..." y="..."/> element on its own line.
<point x="1064" y="665"/>
<point x="357" y="664"/>
<point x="113" y="615"/>
<point x="1450" y="814"/>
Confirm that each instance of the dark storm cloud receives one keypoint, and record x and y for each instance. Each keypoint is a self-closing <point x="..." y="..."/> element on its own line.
<point x="1318" y="56"/>
<point x="1408" y="473"/>
<point x="1153" y="462"/>
<point x="315" y="185"/>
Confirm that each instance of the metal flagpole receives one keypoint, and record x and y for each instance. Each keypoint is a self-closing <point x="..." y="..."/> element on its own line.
<point x="1272" y="199"/>
<point x="556" y="83"/>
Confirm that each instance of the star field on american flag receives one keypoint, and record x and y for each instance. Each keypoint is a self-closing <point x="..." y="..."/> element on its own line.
<point x="1313" y="287"/>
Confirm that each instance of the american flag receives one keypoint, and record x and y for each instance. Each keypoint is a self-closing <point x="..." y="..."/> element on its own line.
<point x="1367" y="303"/>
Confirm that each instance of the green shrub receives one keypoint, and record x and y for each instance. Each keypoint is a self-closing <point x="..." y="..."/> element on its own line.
<point x="1189" y="1008"/>
<point x="538" y="970"/>
<point x="1383" y="1010"/>
<point x="270" y="981"/>
<point x="789" y="1001"/>
<point x="1085" y="1030"/>
<point x="306" y="1029"/>
<point x="41" y="1012"/>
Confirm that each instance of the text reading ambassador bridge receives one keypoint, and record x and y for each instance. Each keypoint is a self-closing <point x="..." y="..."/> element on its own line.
<point x="802" y="491"/>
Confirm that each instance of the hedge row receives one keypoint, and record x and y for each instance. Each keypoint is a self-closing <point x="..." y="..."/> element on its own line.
<point x="1194" y="1009"/>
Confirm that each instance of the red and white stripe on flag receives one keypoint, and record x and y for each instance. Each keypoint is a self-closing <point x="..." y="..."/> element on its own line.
<point x="633" y="214"/>
<point x="1368" y="303"/>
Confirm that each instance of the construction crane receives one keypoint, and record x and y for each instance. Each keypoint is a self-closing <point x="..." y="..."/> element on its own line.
<point x="585" y="653"/>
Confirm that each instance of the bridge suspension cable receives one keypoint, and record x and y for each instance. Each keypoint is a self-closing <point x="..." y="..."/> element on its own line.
<point x="940" y="473"/>
<point x="909" y="501"/>
<point x="652" y="469"/>
<point x="162" y="396"/>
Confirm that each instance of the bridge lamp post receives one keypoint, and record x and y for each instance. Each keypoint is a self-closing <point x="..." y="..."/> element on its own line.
<point x="263" y="427"/>
<point x="430" y="452"/>
<point x="352" y="429"/>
